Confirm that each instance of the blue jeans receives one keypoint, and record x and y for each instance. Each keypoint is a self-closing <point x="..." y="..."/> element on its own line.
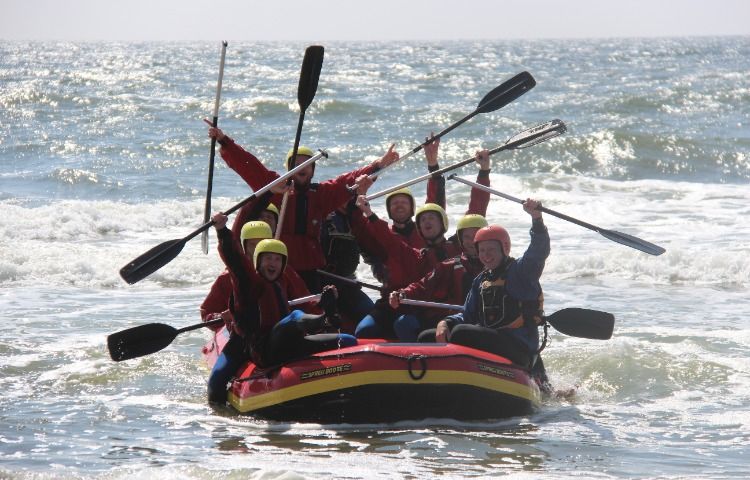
<point x="232" y="356"/>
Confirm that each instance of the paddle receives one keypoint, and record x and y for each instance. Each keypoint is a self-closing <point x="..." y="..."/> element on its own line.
<point x="152" y="337"/>
<point x="576" y="322"/>
<point x="524" y="139"/>
<point x="146" y="339"/>
<point x="308" y="85"/>
<point x="352" y="281"/>
<point x="499" y="97"/>
<point x="619" y="237"/>
<point x="165" y="252"/>
<point x="212" y="155"/>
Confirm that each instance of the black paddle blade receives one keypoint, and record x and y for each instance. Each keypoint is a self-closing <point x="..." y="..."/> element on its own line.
<point x="633" y="242"/>
<point x="151" y="261"/>
<point x="506" y="92"/>
<point x="139" y="341"/>
<point x="583" y="323"/>
<point x="536" y="135"/>
<point x="308" y="78"/>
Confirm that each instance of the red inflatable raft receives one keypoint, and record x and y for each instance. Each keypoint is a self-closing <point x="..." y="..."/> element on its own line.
<point x="378" y="381"/>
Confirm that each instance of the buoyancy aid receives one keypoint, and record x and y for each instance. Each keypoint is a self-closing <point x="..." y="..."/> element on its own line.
<point x="500" y="310"/>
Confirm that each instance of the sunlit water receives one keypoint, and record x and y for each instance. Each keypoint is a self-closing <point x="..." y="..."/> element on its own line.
<point x="103" y="155"/>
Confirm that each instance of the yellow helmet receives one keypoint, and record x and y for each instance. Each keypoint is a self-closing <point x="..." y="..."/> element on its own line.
<point x="471" y="220"/>
<point x="270" y="245"/>
<point x="301" y="150"/>
<point x="254" y="230"/>
<point x="272" y="208"/>
<point x="432" y="207"/>
<point x="400" y="191"/>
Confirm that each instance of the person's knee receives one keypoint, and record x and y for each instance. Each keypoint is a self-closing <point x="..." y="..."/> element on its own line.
<point x="346" y="340"/>
<point x="407" y="328"/>
<point x="367" y="328"/>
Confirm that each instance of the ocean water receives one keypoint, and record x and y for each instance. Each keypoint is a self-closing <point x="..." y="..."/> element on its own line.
<point x="103" y="155"/>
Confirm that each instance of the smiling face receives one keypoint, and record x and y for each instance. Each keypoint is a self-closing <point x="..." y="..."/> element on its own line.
<point x="271" y="265"/>
<point x="466" y="237"/>
<point x="490" y="254"/>
<point x="399" y="208"/>
<point x="430" y="225"/>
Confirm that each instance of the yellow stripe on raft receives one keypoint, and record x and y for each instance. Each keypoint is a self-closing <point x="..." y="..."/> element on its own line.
<point x="339" y="382"/>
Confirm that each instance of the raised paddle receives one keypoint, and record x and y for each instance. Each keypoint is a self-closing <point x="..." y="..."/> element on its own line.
<point x="619" y="237"/>
<point x="212" y="155"/>
<point x="308" y="85"/>
<point x="576" y="322"/>
<point x="165" y="252"/>
<point x="524" y="139"/>
<point x="499" y="97"/>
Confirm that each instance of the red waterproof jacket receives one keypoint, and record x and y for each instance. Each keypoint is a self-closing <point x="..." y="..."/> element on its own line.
<point x="217" y="300"/>
<point x="403" y="264"/>
<point x="257" y="303"/>
<point x="306" y="209"/>
<point x="449" y="282"/>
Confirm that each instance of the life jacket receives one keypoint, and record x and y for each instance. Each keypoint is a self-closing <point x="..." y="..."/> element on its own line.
<point x="500" y="310"/>
<point x="339" y="245"/>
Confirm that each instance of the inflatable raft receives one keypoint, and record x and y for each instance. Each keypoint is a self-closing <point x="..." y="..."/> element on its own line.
<point x="379" y="382"/>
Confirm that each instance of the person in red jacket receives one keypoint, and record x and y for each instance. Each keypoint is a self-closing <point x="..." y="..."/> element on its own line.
<point x="216" y="303"/>
<point x="403" y="263"/>
<point x="255" y="228"/>
<point x="449" y="283"/>
<point x="307" y="207"/>
<point x="263" y="328"/>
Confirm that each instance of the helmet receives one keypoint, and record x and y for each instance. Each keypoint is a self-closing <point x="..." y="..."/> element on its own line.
<point x="301" y="150"/>
<point x="471" y="220"/>
<point x="433" y="207"/>
<point x="400" y="191"/>
<point x="494" y="232"/>
<point x="254" y="230"/>
<point x="272" y="208"/>
<point x="270" y="245"/>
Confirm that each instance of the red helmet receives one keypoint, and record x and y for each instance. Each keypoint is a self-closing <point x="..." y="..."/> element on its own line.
<point x="494" y="232"/>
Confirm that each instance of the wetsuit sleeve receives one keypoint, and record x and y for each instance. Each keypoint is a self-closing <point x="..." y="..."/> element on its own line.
<point x="436" y="188"/>
<point x="532" y="262"/>
<point x="431" y="284"/>
<point x="216" y="302"/>
<point x="480" y="199"/>
<point x="335" y="193"/>
<point x="247" y="165"/>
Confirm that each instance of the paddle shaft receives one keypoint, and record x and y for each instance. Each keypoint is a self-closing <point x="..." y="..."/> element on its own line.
<point x="422" y="303"/>
<point x="496" y="99"/>
<point x="308" y="299"/>
<point x="352" y="281"/>
<point x="619" y="237"/>
<point x="519" y="201"/>
<point x="424" y="144"/>
<point x="210" y="323"/>
<point x="212" y="155"/>
<point x="513" y="143"/>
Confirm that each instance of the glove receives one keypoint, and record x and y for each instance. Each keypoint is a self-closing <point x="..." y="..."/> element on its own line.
<point x="328" y="302"/>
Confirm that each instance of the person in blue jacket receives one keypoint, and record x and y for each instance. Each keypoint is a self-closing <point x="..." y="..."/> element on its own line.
<point x="505" y="303"/>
